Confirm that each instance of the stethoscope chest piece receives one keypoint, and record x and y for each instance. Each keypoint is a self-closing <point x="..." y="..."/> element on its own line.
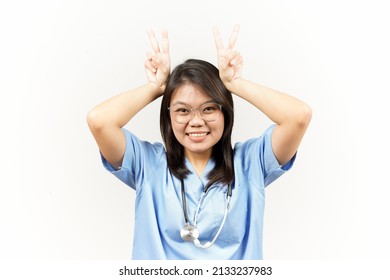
<point x="189" y="233"/>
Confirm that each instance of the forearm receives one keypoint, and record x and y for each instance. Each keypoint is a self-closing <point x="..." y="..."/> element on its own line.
<point x="120" y="109"/>
<point x="279" y="107"/>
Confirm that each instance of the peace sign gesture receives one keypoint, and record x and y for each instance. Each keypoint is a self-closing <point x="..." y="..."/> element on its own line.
<point x="157" y="64"/>
<point x="230" y="62"/>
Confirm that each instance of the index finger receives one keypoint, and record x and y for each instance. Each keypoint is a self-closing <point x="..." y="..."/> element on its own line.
<point x="153" y="41"/>
<point x="165" y="42"/>
<point x="233" y="37"/>
<point x="217" y="38"/>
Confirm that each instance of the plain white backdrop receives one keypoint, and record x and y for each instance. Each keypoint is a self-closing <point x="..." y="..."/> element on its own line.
<point x="58" y="59"/>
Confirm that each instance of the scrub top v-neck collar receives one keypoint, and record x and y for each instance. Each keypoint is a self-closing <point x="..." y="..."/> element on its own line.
<point x="194" y="179"/>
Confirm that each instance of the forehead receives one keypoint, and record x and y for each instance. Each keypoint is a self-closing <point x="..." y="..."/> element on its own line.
<point x="189" y="95"/>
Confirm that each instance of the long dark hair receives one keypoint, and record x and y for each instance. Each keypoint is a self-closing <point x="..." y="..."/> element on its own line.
<point x="205" y="76"/>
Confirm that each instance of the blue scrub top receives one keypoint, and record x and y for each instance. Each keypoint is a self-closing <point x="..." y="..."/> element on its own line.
<point x="158" y="207"/>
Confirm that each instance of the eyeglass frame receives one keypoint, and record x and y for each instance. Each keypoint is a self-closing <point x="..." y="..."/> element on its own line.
<point x="200" y="113"/>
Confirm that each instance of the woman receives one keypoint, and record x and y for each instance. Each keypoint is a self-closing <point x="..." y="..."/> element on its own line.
<point x="196" y="197"/>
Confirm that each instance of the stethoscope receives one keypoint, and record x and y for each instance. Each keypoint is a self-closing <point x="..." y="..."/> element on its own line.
<point x="190" y="232"/>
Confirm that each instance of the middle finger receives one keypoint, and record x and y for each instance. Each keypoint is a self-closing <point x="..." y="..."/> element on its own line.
<point x="153" y="41"/>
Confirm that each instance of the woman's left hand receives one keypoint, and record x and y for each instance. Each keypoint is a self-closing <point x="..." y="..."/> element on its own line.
<point x="230" y="62"/>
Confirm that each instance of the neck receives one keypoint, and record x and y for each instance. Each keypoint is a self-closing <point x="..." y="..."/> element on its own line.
<point x="198" y="161"/>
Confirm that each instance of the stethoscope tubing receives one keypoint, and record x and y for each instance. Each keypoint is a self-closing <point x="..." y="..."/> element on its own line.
<point x="184" y="206"/>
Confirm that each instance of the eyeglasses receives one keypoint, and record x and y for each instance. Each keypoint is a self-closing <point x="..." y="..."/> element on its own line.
<point x="209" y="112"/>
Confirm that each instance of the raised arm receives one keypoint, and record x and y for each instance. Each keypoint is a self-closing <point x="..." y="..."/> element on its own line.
<point x="107" y="119"/>
<point x="291" y="115"/>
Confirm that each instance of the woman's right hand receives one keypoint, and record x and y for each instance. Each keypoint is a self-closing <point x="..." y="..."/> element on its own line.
<point x="157" y="64"/>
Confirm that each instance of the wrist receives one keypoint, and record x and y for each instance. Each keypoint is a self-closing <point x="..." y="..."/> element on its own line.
<point x="234" y="85"/>
<point x="157" y="88"/>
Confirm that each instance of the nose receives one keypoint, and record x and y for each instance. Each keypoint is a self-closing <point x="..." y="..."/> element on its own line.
<point x="196" y="118"/>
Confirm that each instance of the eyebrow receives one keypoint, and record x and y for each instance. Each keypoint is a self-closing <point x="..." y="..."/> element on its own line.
<point x="183" y="103"/>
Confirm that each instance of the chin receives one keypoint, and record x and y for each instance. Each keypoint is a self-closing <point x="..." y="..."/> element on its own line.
<point x="198" y="150"/>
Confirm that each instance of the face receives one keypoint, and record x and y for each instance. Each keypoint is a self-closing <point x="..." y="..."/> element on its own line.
<point x="197" y="136"/>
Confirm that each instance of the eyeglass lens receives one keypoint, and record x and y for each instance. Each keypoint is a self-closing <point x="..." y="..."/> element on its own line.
<point x="183" y="113"/>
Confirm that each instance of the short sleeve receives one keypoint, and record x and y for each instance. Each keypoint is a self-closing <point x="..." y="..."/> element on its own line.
<point x="140" y="161"/>
<point x="258" y="159"/>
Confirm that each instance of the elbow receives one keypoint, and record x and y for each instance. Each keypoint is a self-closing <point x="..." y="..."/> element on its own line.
<point x="306" y="114"/>
<point x="95" y="120"/>
<point x="303" y="116"/>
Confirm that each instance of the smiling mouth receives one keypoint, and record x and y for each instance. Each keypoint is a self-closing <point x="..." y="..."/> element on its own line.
<point x="197" y="134"/>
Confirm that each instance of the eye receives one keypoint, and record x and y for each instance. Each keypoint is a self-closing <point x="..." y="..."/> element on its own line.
<point x="182" y="110"/>
<point x="210" y="108"/>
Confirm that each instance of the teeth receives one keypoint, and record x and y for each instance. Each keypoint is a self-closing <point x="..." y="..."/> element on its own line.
<point x="198" y="134"/>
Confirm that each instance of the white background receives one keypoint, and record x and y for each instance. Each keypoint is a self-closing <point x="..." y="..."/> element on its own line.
<point x="58" y="59"/>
